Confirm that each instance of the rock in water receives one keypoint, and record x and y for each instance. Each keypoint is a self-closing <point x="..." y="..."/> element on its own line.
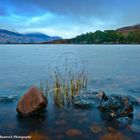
<point x="73" y="132"/>
<point x="86" y="100"/>
<point x="117" y="106"/>
<point x="113" y="106"/>
<point x="32" y="102"/>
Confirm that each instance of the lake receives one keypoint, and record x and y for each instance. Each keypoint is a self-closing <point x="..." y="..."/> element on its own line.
<point x="112" y="68"/>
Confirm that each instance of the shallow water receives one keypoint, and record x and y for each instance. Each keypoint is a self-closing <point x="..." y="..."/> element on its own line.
<point x="112" y="68"/>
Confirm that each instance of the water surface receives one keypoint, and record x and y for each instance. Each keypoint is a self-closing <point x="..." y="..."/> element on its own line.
<point x="112" y="68"/>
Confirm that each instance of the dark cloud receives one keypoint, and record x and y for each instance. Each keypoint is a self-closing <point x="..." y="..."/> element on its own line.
<point x="64" y="7"/>
<point x="84" y="14"/>
<point x="74" y="8"/>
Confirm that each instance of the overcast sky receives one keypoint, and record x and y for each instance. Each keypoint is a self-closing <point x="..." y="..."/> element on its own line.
<point x="67" y="18"/>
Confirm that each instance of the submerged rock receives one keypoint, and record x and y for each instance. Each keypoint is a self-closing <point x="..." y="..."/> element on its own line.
<point x="73" y="132"/>
<point x="32" y="102"/>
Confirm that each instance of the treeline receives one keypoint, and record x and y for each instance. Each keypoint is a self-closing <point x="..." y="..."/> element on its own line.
<point x="107" y="37"/>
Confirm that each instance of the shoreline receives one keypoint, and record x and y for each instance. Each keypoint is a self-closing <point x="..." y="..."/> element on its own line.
<point x="64" y="44"/>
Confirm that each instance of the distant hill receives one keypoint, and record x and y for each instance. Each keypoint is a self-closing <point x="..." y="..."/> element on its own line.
<point x="125" y="35"/>
<point x="128" y="29"/>
<point x="8" y="37"/>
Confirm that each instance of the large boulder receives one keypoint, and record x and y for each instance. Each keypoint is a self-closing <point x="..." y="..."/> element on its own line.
<point x="32" y="102"/>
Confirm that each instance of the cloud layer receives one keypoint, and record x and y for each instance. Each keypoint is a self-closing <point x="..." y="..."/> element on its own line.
<point x="68" y="18"/>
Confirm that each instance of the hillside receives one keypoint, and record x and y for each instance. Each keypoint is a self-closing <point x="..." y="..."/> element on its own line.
<point x="128" y="29"/>
<point x="8" y="37"/>
<point x="125" y="35"/>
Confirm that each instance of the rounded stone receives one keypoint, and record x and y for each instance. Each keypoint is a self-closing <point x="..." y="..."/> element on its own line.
<point x="32" y="102"/>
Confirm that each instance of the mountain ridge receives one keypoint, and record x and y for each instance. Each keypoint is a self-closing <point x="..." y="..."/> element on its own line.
<point x="10" y="37"/>
<point x="124" y="35"/>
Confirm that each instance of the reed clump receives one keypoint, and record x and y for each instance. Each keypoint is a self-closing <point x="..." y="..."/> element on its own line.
<point x="62" y="87"/>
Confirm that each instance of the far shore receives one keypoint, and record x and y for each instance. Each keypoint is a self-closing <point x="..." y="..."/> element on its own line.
<point x="68" y="44"/>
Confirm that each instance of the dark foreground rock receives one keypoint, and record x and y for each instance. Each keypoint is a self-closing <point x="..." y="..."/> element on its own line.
<point x="32" y="102"/>
<point x="117" y="106"/>
<point x="112" y="106"/>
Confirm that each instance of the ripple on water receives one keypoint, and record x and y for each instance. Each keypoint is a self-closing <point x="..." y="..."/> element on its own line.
<point x="4" y="98"/>
<point x="134" y="128"/>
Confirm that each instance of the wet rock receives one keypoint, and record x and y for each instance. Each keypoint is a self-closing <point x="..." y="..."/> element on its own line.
<point x="73" y="132"/>
<point x="95" y="128"/>
<point x="132" y="100"/>
<point x="32" y="102"/>
<point x="86" y="100"/>
<point x="113" y="106"/>
<point x="117" y="106"/>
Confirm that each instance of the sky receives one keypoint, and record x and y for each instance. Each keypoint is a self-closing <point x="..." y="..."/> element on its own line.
<point x="67" y="18"/>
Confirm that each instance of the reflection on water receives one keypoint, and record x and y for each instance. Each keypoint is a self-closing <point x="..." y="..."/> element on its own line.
<point x="114" y="69"/>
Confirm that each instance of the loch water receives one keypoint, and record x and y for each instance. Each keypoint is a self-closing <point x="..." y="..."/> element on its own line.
<point x="114" y="69"/>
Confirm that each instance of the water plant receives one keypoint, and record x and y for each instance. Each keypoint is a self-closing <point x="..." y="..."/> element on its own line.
<point x="64" y="85"/>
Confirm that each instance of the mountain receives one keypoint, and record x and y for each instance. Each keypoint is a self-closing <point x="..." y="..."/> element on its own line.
<point x="125" y="35"/>
<point x="9" y="37"/>
<point x="128" y="29"/>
